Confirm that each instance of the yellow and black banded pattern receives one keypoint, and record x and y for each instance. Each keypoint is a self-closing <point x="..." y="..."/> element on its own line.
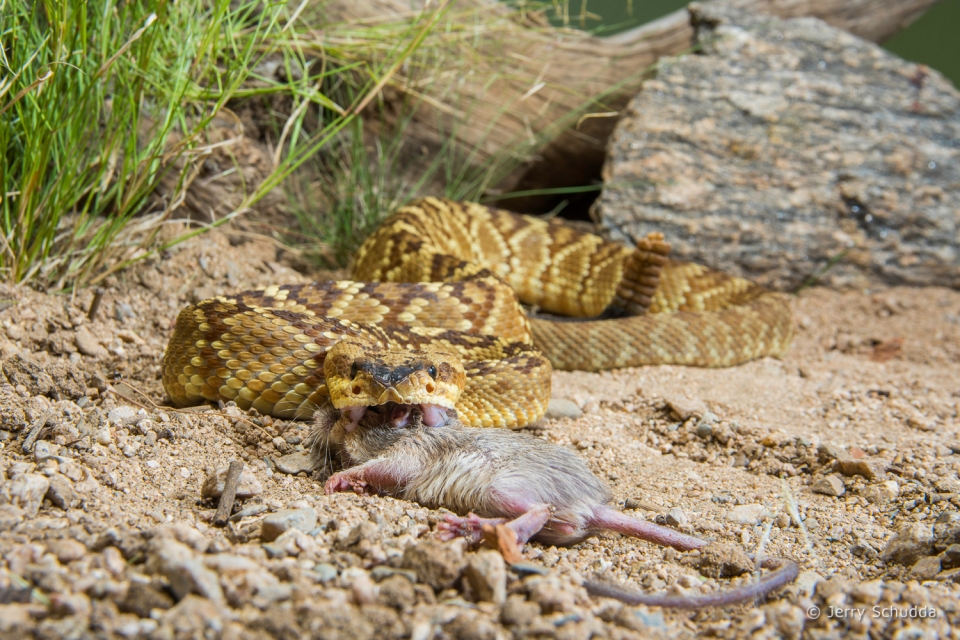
<point x="265" y="349"/>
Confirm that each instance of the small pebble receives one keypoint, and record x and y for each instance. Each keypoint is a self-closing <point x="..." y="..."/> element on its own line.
<point x="559" y="408"/>
<point x="829" y="486"/>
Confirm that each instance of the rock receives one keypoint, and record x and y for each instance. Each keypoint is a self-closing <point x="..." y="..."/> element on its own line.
<point x="829" y="486"/>
<point x="925" y="569"/>
<point x="295" y="463"/>
<point x="10" y="516"/>
<point x="872" y="470"/>
<point x="16" y="620"/>
<point x="19" y="370"/>
<point x="747" y="514"/>
<point x="882" y="493"/>
<point x="277" y="523"/>
<point x="192" y="617"/>
<point x="757" y="157"/>
<point x="950" y="558"/>
<point x="187" y="574"/>
<point x="518" y="612"/>
<point x="325" y="571"/>
<point x="946" y="530"/>
<point x="397" y="592"/>
<point x="436" y="564"/>
<point x="912" y="542"/>
<point x="143" y="598"/>
<point x="44" y="450"/>
<point x="67" y="550"/>
<point x="248" y="486"/>
<point x="553" y="595"/>
<point x="68" y="381"/>
<point x="486" y="573"/>
<point x="61" y="492"/>
<point x="684" y="408"/>
<point x="121" y="415"/>
<point x="88" y="345"/>
<point x="676" y="517"/>
<point x="951" y="575"/>
<point x="559" y="408"/>
<point x="868" y="592"/>
<point x="719" y="560"/>
<point x="27" y="491"/>
<point x="828" y="452"/>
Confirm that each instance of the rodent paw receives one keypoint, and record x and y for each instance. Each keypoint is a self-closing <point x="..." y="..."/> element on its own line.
<point x="469" y="527"/>
<point x="338" y="482"/>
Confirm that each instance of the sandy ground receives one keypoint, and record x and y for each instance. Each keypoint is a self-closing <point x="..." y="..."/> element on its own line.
<point x="823" y="456"/>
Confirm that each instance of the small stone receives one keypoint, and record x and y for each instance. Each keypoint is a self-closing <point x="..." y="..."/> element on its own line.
<point x="683" y="408"/>
<point x="248" y="486"/>
<point x="951" y="575"/>
<point x="28" y="491"/>
<point x="747" y="514"/>
<point x="829" y="486"/>
<point x="21" y="371"/>
<point x="44" y="450"/>
<point x="869" y="469"/>
<point x="175" y="561"/>
<point x="383" y="572"/>
<point x="143" y="598"/>
<point x="121" y="414"/>
<point x="10" y="516"/>
<point x="868" y="592"/>
<point x="925" y="569"/>
<point x="67" y="550"/>
<point x="719" y="560"/>
<point x="277" y="523"/>
<point x="358" y="581"/>
<point x="397" y="592"/>
<point x="704" y="430"/>
<point x="61" y="492"/>
<point x="950" y="558"/>
<point x="946" y="530"/>
<point x="912" y="542"/>
<point x="828" y="452"/>
<point x="882" y="493"/>
<point x="518" y="612"/>
<point x="487" y="574"/>
<point x="192" y="617"/>
<point x="87" y="344"/>
<point x="552" y="595"/>
<point x="436" y="564"/>
<point x="294" y="463"/>
<point x="103" y="437"/>
<point x="113" y="561"/>
<point x="325" y="572"/>
<point x="562" y="408"/>
<point x="676" y="517"/>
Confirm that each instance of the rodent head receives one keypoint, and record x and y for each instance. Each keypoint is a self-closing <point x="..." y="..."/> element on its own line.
<point x="360" y="376"/>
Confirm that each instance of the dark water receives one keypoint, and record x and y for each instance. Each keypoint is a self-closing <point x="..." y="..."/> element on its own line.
<point x="933" y="40"/>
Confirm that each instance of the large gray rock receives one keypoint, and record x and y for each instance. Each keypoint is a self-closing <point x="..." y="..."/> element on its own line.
<point x="786" y="144"/>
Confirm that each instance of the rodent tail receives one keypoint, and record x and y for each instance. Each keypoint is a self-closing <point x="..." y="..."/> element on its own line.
<point x="783" y="572"/>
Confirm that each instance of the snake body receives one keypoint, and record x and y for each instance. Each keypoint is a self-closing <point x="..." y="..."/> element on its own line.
<point x="450" y="277"/>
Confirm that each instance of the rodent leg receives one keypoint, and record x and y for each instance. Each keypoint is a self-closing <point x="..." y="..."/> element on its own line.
<point x="382" y="475"/>
<point x="530" y="523"/>
<point x="469" y="526"/>
<point x="608" y="519"/>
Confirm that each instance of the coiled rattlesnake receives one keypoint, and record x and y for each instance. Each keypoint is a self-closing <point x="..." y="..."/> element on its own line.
<point x="461" y="327"/>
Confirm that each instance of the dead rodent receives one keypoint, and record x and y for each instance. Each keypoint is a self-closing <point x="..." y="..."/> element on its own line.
<point x="537" y="490"/>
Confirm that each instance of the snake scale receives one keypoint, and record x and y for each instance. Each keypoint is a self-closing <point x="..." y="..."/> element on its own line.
<point x="436" y="308"/>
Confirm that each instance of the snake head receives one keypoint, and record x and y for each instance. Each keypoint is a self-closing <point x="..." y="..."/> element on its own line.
<point x="359" y="376"/>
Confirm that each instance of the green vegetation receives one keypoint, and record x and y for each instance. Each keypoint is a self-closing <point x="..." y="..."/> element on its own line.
<point x="109" y="111"/>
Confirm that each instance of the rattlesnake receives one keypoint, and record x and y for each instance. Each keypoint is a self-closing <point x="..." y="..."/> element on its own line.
<point x="268" y="349"/>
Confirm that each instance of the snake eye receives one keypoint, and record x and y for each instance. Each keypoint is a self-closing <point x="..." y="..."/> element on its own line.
<point x="432" y="370"/>
<point x="354" y="370"/>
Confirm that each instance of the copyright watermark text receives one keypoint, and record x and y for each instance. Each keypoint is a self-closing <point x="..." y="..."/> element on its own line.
<point x="876" y="611"/>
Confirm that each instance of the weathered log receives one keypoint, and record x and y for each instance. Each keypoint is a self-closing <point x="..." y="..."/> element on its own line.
<point x="529" y="78"/>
